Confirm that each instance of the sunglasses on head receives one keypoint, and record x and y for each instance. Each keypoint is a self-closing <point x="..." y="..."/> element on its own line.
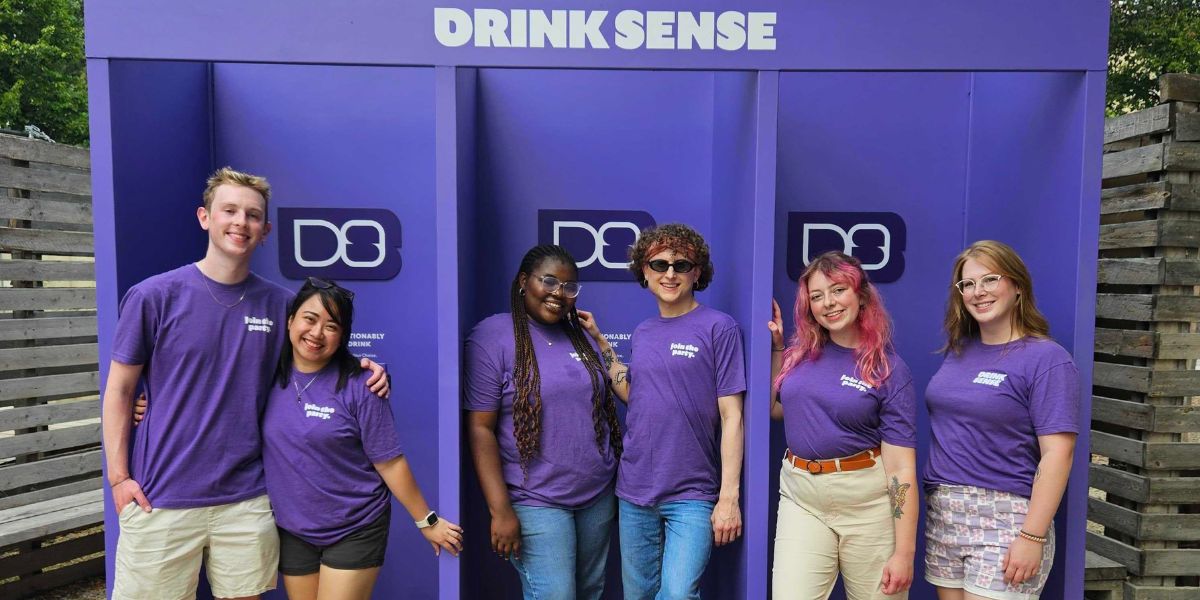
<point x="681" y="266"/>
<point x="322" y="284"/>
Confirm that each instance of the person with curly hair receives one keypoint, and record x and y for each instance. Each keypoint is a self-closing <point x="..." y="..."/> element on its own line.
<point x="543" y="432"/>
<point x="849" y="413"/>
<point x="678" y="482"/>
<point x="1003" y="416"/>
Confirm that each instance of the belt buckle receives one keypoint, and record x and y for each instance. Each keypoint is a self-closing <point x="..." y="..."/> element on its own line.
<point x="808" y="466"/>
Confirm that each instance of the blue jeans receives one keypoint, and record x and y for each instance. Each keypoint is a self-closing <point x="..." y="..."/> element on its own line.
<point x="564" y="551"/>
<point x="664" y="548"/>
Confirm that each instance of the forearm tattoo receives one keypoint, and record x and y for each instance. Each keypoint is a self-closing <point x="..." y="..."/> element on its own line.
<point x="897" y="493"/>
<point x="608" y="357"/>
<point x="1037" y="474"/>
<point x="622" y="376"/>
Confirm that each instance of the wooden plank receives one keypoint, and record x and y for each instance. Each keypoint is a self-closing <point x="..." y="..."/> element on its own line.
<point x="1135" y="591"/>
<point x="47" y="270"/>
<point x="58" y="491"/>
<point x="46" y="210"/>
<point x="1134" y="415"/>
<point x="1114" y="342"/>
<point x="1135" y="161"/>
<point x="1154" y="195"/>
<point x="33" y="584"/>
<point x="12" y="359"/>
<point x="1153" y="120"/>
<point x="1147" y="307"/>
<point x="1180" y="527"/>
<point x="1121" y="377"/>
<point x="1181" y="156"/>
<point x="1170" y="562"/>
<point x="49" y="440"/>
<point x="1098" y="568"/>
<point x="46" y="180"/>
<point x="1113" y="517"/>
<point x="49" y="469"/>
<point x="9" y="518"/>
<point x="1179" y="86"/>
<point x="1179" y="233"/>
<point x="47" y="299"/>
<point x="39" y="526"/>
<point x="1119" y="448"/>
<point x="1140" y="488"/>
<point x="48" y="414"/>
<point x="23" y="148"/>
<point x="1172" y="455"/>
<point x="1150" y="234"/>
<point x="47" y="328"/>
<point x="1187" y="127"/>
<point x="82" y="384"/>
<point x="1149" y="271"/>
<point x="1118" y="552"/>
<point x="31" y="561"/>
<point x="46" y="241"/>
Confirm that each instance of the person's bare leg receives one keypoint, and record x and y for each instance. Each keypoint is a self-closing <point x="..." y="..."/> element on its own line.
<point x="301" y="587"/>
<point x="343" y="584"/>
<point x="952" y="594"/>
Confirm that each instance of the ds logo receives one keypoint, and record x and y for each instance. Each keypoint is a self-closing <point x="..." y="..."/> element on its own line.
<point x="598" y="239"/>
<point x="339" y="243"/>
<point x="875" y="238"/>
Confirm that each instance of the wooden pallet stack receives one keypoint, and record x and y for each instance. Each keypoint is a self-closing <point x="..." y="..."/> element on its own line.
<point x="1145" y="417"/>
<point x="51" y="492"/>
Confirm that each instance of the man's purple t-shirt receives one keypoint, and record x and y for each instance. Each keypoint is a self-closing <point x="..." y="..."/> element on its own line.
<point x="830" y="412"/>
<point x="679" y="367"/>
<point x="319" y="450"/>
<point x="988" y="405"/>
<point x="569" y="471"/>
<point x="206" y="366"/>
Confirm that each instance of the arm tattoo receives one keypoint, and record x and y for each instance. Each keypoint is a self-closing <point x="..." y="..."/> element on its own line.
<point x="622" y="376"/>
<point x="1037" y="474"/>
<point x="608" y="357"/>
<point x="897" y="493"/>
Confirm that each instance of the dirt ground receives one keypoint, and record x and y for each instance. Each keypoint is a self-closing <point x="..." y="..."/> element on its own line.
<point x="86" y="589"/>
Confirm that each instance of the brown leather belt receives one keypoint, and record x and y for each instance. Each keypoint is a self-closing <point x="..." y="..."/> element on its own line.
<point x="862" y="460"/>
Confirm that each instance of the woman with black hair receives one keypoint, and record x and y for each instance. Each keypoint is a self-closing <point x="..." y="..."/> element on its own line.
<point x="544" y="432"/>
<point x="331" y="456"/>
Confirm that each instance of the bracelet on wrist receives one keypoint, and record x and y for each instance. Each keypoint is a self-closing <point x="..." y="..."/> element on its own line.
<point x="774" y="349"/>
<point x="1033" y="538"/>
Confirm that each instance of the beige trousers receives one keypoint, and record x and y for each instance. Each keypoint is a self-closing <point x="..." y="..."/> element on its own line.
<point x="830" y="524"/>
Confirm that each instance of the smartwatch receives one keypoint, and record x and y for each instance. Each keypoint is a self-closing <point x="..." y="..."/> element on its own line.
<point x="430" y="520"/>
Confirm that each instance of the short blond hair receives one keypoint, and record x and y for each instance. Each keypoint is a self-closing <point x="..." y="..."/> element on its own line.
<point x="227" y="175"/>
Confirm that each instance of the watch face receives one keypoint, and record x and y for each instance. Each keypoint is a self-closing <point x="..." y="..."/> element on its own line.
<point x="433" y="519"/>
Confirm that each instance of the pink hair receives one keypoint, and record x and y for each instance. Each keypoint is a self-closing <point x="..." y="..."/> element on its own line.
<point x="874" y="324"/>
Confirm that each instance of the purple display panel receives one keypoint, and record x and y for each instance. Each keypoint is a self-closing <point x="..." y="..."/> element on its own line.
<point x="350" y="144"/>
<point x="766" y="34"/>
<point x="150" y="124"/>
<point x="610" y="141"/>
<point x="878" y="142"/>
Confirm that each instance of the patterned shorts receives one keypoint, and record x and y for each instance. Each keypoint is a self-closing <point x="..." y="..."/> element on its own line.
<point x="967" y="533"/>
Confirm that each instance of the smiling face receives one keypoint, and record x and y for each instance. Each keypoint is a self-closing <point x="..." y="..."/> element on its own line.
<point x="541" y="304"/>
<point x="835" y="307"/>
<point x="991" y="309"/>
<point x="314" y="334"/>
<point x="236" y="221"/>
<point x="671" y="288"/>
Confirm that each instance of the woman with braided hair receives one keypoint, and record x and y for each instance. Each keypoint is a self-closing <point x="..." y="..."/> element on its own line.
<point x="544" y="432"/>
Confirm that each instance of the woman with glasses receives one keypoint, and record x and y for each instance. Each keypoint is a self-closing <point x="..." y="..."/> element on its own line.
<point x="1003" y="410"/>
<point x="331" y="457"/>
<point x="849" y="413"/>
<point x="543" y="431"/>
<point x="678" y="482"/>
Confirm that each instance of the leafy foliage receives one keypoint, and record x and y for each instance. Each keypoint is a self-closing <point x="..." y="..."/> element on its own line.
<point x="1149" y="38"/>
<point x="42" y="68"/>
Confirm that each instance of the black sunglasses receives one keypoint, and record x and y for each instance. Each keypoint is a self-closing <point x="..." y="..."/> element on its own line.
<point x="322" y="284"/>
<point x="661" y="266"/>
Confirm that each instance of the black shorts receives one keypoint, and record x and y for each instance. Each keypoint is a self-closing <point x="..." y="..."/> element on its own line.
<point x="362" y="549"/>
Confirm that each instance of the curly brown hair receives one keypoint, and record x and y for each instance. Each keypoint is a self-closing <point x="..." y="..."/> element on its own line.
<point x="671" y="236"/>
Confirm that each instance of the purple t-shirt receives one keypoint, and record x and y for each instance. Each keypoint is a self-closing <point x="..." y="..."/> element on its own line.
<point x="206" y="370"/>
<point x="830" y="412"/>
<point x="988" y="405"/>
<point x="679" y="367"/>
<point x="569" y="471"/>
<point x="319" y="449"/>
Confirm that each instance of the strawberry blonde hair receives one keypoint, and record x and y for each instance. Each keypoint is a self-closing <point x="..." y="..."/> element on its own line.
<point x="874" y="324"/>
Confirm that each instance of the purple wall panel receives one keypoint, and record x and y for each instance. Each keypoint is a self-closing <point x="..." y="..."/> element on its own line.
<point x="878" y="142"/>
<point x="1025" y="137"/>
<point x="357" y="137"/>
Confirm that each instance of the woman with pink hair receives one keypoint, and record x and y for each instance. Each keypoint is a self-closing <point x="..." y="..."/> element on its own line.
<point x="849" y="412"/>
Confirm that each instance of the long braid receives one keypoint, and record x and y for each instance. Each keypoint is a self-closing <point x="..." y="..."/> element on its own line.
<point x="527" y="401"/>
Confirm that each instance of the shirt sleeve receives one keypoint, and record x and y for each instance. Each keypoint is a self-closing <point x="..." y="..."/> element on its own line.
<point x="898" y="414"/>
<point x="1054" y="400"/>
<point x="730" y="362"/>
<point x="485" y="377"/>
<point x="376" y="426"/>
<point x="137" y="328"/>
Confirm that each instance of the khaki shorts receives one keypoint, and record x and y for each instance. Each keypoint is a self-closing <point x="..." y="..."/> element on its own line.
<point x="159" y="553"/>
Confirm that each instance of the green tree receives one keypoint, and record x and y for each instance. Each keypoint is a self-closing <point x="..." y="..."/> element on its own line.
<point x="42" y="68"/>
<point x="1149" y="38"/>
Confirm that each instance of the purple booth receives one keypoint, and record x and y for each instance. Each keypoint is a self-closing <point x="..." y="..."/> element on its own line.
<point x="417" y="150"/>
